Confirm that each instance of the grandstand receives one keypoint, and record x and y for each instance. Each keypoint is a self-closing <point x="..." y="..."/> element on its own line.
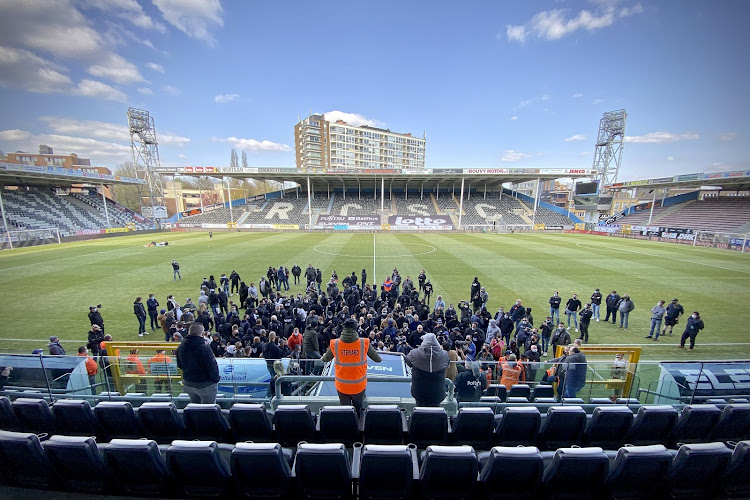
<point x="723" y="213"/>
<point x="354" y="204"/>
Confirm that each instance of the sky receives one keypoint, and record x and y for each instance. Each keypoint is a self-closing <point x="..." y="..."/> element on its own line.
<point x="491" y="83"/>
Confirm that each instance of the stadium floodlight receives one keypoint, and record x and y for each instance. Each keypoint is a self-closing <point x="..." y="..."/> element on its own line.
<point x="609" y="143"/>
<point x="145" y="150"/>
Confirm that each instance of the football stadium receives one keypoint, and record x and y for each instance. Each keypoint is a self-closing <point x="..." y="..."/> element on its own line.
<point x="371" y="322"/>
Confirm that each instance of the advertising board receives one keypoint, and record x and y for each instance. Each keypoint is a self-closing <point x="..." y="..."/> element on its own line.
<point x="432" y="222"/>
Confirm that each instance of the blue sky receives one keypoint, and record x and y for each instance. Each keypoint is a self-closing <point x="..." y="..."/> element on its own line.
<point x="493" y="84"/>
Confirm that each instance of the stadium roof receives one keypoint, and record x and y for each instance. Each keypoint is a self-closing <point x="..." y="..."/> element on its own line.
<point x="429" y="178"/>
<point x="735" y="180"/>
<point x="15" y="174"/>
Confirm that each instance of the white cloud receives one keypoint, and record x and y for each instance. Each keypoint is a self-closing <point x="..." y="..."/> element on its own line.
<point x="727" y="136"/>
<point x="670" y="158"/>
<point x="106" y="130"/>
<point x="511" y="155"/>
<point x="168" y="139"/>
<point x="171" y="90"/>
<point x="254" y="145"/>
<point x="155" y="67"/>
<point x="225" y="98"/>
<point x="145" y="91"/>
<point x="100" y="90"/>
<point x="557" y="23"/>
<point x="182" y="156"/>
<point x="117" y="69"/>
<point x="577" y="95"/>
<point x="23" y="70"/>
<point x="352" y="119"/>
<point x="195" y="18"/>
<point x="577" y="137"/>
<point x="100" y="152"/>
<point x="14" y="135"/>
<point x="128" y="10"/>
<point x="514" y="117"/>
<point x="598" y="100"/>
<point x="662" y="137"/>
<point x="585" y="153"/>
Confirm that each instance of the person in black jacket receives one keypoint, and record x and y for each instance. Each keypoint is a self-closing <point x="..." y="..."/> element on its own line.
<point x="612" y="300"/>
<point x="693" y="326"/>
<point x="95" y="317"/>
<point x="140" y="314"/>
<point x="428" y="364"/>
<point x="200" y="372"/>
<point x="271" y="353"/>
<point x="586" y="315"/>
<point x="571" y="310"/>
<point x="95" y="338"/>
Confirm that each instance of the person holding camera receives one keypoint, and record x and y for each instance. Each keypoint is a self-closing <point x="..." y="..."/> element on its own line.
<point x="95" y="317"/>
<point x="470" y="384"/>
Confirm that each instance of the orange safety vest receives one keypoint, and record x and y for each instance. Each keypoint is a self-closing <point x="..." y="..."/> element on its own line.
<point x="351" y="365"/>
<point x="510" y="375"/>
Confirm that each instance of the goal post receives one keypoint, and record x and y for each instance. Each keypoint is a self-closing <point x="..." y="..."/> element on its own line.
<point x="29" y="238"/>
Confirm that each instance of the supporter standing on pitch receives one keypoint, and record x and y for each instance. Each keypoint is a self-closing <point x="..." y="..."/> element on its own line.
<point x="152" y="305"/>
<point x="554" y="307"/>
<point x="625" y="307"/>
<point x="571" y="309"/>
<point x="140" y="314"/>
<point x="175" y="270"/>
<point x="612" y="300"/>
<point x="596" y="302"/>
<point x="586" y="314"/>
<point x="657" y="314"/>
<point x="672" y="316"/>
<point x="95" y="317"/>
<point x="693" y="326"/>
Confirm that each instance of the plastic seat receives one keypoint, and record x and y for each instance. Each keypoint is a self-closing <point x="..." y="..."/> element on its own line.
<point x="338" y="424"/>
<point x="736" y="480"/>
<point x="576" y="473"/>
<point x="294" y="423"/>
<point x="542" y="391"/>
<point x="25" y="461"/>
<point x="652" y="425"/>
<point x="206" y="422"/>
<point x="323" y="471"/>
<point x="449" y="472"/>
<point x="428" y="426"/>
<point x="733" y="424"/>
<point x="497" y="390"/>
<point x="76" y="418"/>
<point x="563" y="427"/>
<point x="518" y="426"/>
<point x="396" y="462"/>
<point x="638" y="472"/>
<point x="161" y="421"/>
<point x="260" y="470"/>
<point x="697" y="468"/>
<point x="517" y="400"/>
<point x="572" y="401"/>
<point x="8" y="419"/>
<point x="35" y="415"/>
<point x="198" y="468"/>
<point x="474" y="427"/>
<point x="384" y="424"/>
<point x="693" y="422"/>
<point x="627" y="401"/>
<point x="250" y="422"/>
<point x="523" y="464"/>
<point x="608" y="426"/>
<point x="118" y="420"/>
<point x="520" y="391"/>
<point x="139" y="467"/>
<point x="549" y="401"/>
<point x="79" y="463"/>
<point x="601" y="401"/>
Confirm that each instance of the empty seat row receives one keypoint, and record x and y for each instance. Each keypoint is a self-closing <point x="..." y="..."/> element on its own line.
<point x="263" y="470"/>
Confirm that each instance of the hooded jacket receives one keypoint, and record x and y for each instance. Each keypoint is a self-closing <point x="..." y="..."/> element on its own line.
<point x="492" y="331"/>
<point x="310" y="342"/>
<point x="428" y="364"/>
<point x="197" y="362"/>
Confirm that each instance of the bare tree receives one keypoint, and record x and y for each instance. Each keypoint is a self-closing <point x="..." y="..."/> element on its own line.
<point x="126" y="194"/>
<point x="244" y="159"/>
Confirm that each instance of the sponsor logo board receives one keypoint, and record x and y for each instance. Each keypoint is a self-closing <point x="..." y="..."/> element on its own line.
<point x="352" y="220"/>
<point x="420" y="222"/>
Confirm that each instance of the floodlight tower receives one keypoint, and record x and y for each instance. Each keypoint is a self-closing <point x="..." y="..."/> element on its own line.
<point x="609" y="143"/>
<point x="145" y="150"/>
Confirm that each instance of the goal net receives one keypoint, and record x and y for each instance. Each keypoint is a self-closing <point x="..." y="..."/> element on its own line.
<point x="29" y="237"/>
<point x="727" y="241"/>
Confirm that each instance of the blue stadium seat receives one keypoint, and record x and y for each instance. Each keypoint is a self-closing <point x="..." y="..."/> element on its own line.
<point x="576" y="473"/>
<point x="542" y="391"/>
<point x="572" y="401"/>
<point x="697" y="469"/>
<point x="339" y="424"/>
<point x="206" y="422"/>
<point x="76" y="418"/>
<point x="118" y="420"/>
<point x="8" y="419"/>
<point x="518" y="426"/>
<point x="323" y="471"/>
<point x="396" y="462"/>
<point x="250" y="422"/>
<point x="294" y="423"/>
<point x="520" y="391"/>
<point x="25" y="461"/>
<point x="601" y="401"/>
<point x="384" y="424"/>
<point x="79" y="463"/>
<point x="608" y="426"/>
<point x="474" y="427"/>
<point x="511" y="473"/>
<point x="547" y="401"/>
<point x="139" y="467"/>
<point x="562" y="427"/>
<point x="638" y="472"/>
<point x="734" y="423"/>
<point x="652" y="425"/>
<point x="517" y="400"/>
<point x="497" y="390"/>
<point x="693" y="422"/>
<point x="429" y="426"/>
<point x="35" y="415"/>
<point x="261" y="470"/>
<point x="198" y="468"/>
<point x="736" y="480"/>
<point x="449" y="472"/>
<point x="162" y="421"/>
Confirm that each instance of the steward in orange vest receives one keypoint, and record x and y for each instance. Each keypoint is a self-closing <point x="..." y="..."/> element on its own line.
<point x="351" y="353"/>
<point x="513" y="373"/>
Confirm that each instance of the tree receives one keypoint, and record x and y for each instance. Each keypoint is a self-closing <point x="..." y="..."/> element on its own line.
<point x="233" y="161"/>
<point x="244" y="159"/>
<point x="126" y="194"/>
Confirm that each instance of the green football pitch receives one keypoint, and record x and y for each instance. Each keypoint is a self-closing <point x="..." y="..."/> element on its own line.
<point x="48" y="290"/>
